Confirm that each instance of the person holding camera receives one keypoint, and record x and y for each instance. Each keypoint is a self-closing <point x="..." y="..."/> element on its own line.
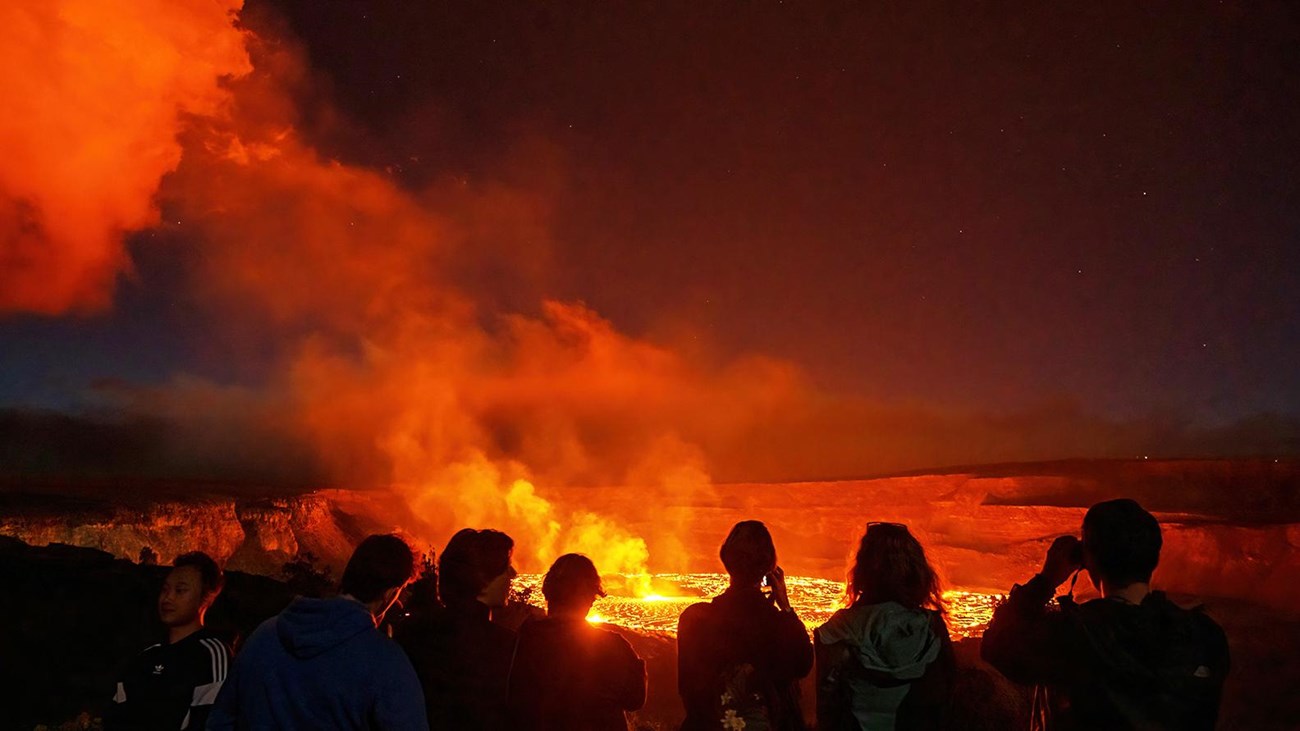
<point x="740" y="656"/>
<point x="1131" y="659"/>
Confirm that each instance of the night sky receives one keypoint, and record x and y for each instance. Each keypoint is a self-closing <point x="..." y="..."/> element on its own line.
<point x="988" y="208"/>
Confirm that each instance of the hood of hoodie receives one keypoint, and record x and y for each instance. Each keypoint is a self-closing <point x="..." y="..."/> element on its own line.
<point x="887" y="638"/>
<point x="310" y="627"/>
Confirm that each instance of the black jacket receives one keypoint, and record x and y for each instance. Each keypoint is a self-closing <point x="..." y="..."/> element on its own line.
<point x="883" y="666"/>
<point x="462" y="660"/>
<point x="170" y="686"/>
<point x="570" y="676"/>
<point x="1108" y="664"/>
<point x="741" y="629"/>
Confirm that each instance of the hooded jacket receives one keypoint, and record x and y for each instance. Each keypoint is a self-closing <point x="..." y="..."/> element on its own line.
<point x="869" y="658"/>
<point x="320" y="664"/>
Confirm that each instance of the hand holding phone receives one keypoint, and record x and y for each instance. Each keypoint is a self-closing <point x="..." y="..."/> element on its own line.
<point x="1063" y="558"/>
<point x="776" y="581"/>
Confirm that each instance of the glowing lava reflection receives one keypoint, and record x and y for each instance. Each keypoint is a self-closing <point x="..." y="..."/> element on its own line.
<point x="814" y="600"/>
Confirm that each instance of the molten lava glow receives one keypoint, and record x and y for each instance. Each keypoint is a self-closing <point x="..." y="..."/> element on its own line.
<point x="815" y="600"/>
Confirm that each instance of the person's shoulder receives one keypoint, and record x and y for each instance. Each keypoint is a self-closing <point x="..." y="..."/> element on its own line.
<point x="612" y="637"/>
<point x="532" y="628"/>
<point x="699" y="610"/>
<point x="206" y="636"/>
<point x="207" y="655"/>
<point x="390" y="653"/>
<point x="207" y="643"/>
<point x="1206" y="626"/>
<point x="375" y="644"/>
<point x="836" y="628"/>
<point x="502" y="632"/>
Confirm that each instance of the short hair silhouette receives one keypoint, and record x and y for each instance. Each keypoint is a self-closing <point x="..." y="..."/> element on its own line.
<point x="210" y="574"/>
<point x="1124" y="541"/>
<point x="573" y="577"/>
<point x="380" y="563"/>
<point x="471" y="560"/>
<point x="748" y="553"/>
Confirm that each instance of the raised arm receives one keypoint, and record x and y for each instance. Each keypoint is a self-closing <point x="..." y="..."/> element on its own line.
<point x="1025" y="641"/>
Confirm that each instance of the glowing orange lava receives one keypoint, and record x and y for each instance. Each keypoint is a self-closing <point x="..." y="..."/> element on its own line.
<point x="815" y="600"/>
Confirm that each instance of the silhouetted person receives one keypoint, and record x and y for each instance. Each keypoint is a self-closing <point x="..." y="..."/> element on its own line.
<point x="323" y="663"/>
<point x="740" y="656"/>
<point x="885" y="662"/>
<point x="460" y="655"/>
<point x="567" y="674"/>
<point x="172" y="685"/>
<point x="1129" y="660"/>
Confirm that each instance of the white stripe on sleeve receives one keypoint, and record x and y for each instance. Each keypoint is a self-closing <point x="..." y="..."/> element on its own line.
<point x="206" y="695"/>
<point x="217" y="653"/>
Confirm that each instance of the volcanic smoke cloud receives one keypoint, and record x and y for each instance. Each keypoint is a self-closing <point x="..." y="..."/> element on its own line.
<point x="392" y="368"/>
<point x="394" y="373"/>
<point x="94" y="95"/>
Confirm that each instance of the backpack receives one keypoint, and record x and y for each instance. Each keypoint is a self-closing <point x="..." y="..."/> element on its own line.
<point x="1173" y="683"/>
<point x="743" y="700"/>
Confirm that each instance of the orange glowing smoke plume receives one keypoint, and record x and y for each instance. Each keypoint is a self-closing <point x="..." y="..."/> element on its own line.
<point x="94" y="96"/>
<point x="398" y="374"/>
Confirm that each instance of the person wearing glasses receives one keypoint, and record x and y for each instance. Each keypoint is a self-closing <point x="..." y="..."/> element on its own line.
<point x="886" y="662"/>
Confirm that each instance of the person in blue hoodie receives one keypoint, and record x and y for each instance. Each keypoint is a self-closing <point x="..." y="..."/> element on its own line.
<point x="324" y="664"/>
<point x="886" y="662"/>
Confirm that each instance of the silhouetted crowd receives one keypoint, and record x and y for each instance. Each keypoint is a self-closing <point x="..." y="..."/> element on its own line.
<point x="1131" y="659"/>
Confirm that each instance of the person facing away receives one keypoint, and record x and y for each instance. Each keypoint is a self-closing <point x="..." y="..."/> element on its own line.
<point x="1129" y="660"/>
<point x="172" y="685"/>
<point x="323" y="663"/>
<point x="886" y="661"/>
<point x="567" y="674"/>
<point x="461" y="656"/>
<point x="740" y="656"/>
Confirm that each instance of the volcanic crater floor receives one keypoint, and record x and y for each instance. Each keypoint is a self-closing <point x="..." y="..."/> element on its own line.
<point x="651" y="604"/>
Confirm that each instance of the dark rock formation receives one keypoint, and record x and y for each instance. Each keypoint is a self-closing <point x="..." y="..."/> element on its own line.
<point x="257" y="535"/>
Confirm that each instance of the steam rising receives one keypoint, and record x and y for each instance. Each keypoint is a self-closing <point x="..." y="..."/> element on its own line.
<point x="95" y="94"/>
<point x="393" y="369"/>
<point x="394" y="373"/>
